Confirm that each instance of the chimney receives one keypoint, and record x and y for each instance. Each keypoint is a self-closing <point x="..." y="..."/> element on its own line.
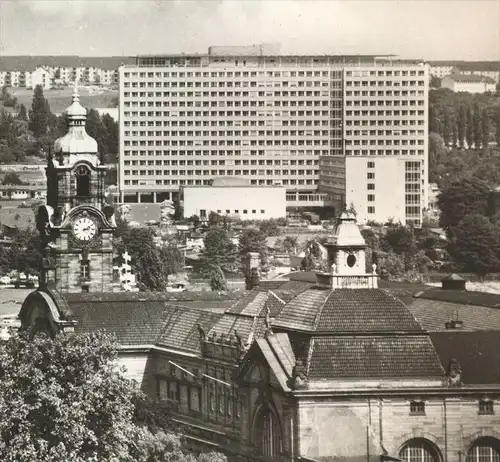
<point x="252" y="275"/>
<point x="454" y="323"/>
<point x="453" y="282"/>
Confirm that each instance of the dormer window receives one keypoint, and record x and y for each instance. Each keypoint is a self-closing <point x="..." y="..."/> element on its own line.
<point x="83" y="182"/>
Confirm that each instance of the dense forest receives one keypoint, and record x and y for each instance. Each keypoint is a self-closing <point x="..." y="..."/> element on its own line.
<point x="464" y="136"/>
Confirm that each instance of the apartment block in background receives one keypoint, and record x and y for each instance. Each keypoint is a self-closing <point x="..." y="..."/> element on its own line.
<point x="264" y="117"/>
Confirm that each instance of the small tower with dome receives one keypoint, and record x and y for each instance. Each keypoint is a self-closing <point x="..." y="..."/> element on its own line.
<point x="77" y="223"/>
<point x="347" y="258"/>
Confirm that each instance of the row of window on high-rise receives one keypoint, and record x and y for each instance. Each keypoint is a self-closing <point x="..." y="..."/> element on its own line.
<point x="384" y="73"/>
<point x="176" y="183"/>
<point x="226" y="114"/>
<point x="384" y="152"/>
<point x="306" y="172"/>
<point x="230" y="152"/>
<point x="388" y="83"/>
<point x="235" y="74"/>
<point x="237" y="162"/>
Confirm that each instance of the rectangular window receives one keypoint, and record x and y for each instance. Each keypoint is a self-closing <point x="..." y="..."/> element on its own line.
<point x="417" y="408"/>
<point x="371" y="209"/>
<point x="486" y="407"/>
<point x="85" y="270"/>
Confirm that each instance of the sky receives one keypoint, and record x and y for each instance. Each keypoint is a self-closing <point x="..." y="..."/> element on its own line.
<point x="420" y="29"/>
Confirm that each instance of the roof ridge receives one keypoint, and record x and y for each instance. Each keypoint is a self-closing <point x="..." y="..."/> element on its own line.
<point x="278" y="298"/>
<point x="320" y="311"/>
<point x="309" y="355"/>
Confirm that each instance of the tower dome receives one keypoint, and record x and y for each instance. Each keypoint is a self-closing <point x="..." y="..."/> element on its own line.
<point x="76" y="140"/>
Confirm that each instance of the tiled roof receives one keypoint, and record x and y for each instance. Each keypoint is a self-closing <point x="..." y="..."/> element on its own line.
<point x="251" y="303"/>
<point x="373" y="357"/>
<point x="433" y="314"/>
<point x="478" y="354"/>
<point x="244" y="325"/>
<point x="470" y="78"/>
<point x="144" y="322"/>
<point x="300" y="313"/>
<point x="346" y="311"/>
<point x="365" y="310"/>
<point x="464" y="297"/>
<point x="149" y="296"/>
<point x="180" y="328"/>
<point x="278" y="353"/>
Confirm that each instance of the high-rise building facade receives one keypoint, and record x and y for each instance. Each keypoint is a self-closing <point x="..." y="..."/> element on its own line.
<point x="269" y="118"/>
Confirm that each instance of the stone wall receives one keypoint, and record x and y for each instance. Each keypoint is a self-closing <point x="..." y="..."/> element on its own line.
<point x="360" y="429"/>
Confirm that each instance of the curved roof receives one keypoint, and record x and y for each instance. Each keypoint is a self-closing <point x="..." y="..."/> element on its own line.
<point x="77" y="140"/>
<point x="347" y="311"/>
<point x="347" y="233"/>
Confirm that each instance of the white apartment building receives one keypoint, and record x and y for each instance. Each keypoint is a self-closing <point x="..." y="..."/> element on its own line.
<point x="185" y="119"/>
<point x="469" y="83"/>
<point x="386" y="142"/>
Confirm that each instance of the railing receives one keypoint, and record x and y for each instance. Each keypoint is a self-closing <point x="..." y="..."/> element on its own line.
<point x="345" y="281"/>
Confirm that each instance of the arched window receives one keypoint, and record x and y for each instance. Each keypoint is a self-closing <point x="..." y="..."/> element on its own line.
<point x="419" y="450"/>
<point x="484" y="450"/>
<point x="82" y="182"/>
<point x="267" y="434"/>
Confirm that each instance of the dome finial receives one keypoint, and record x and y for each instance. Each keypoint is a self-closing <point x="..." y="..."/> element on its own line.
<point x="76" y="97"/>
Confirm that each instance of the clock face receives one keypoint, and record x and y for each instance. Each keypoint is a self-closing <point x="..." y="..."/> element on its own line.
<point x="84" y="228"/>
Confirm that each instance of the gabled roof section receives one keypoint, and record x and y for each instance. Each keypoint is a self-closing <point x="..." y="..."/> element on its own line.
<point x="434" y="314"/>
<point x="278" y="354"/>
<point x="384" y="357"/>
<point x="148" y="296"/>
<point x="301" y="312"/>
<point x="140" y="323"/>
<point x="464" y="297"/>
<point x="478" y="354"/>
<point x="250" y="304"/>
<point x="470" y="78"/>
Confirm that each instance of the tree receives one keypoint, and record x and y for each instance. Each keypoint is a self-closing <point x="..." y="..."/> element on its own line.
<point x="217" y="279"/>
<point x="469" y="133"/>
<point x="464" y="197"/>
<point x="485" y="128"/>
<point x="475" y="246"/>
<point x="461" y="126"/>
<point x="219" y="251"/>
<point x="12" y="178"/>
<point x="39" y="114"/>
<point x="253" y="240"/>
<point x="434" y="122"/>
<point x="96" y="130"/>
<point x="446" y="126"/>
<point x="399" y="239"/>
<point x="290" y="244"/>
<point x="64" y="399"/>
<point x="497" y="132"/>
<point x="435" y="82"/>
<point x="478" y="127"/>
<point x="152" y="264"/>
<point x="22" y="114"/>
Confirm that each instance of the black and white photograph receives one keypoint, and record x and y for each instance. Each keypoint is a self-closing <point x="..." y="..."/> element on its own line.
<point x="250" y="230"/>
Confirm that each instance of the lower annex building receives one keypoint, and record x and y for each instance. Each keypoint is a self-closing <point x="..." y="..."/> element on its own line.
<point x="333" y="369"/>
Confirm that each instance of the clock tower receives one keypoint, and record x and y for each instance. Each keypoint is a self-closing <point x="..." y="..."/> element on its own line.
<point x="76" y="224"/>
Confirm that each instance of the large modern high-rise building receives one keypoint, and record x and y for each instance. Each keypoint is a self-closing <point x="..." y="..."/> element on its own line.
<point x="333" y="130"/>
